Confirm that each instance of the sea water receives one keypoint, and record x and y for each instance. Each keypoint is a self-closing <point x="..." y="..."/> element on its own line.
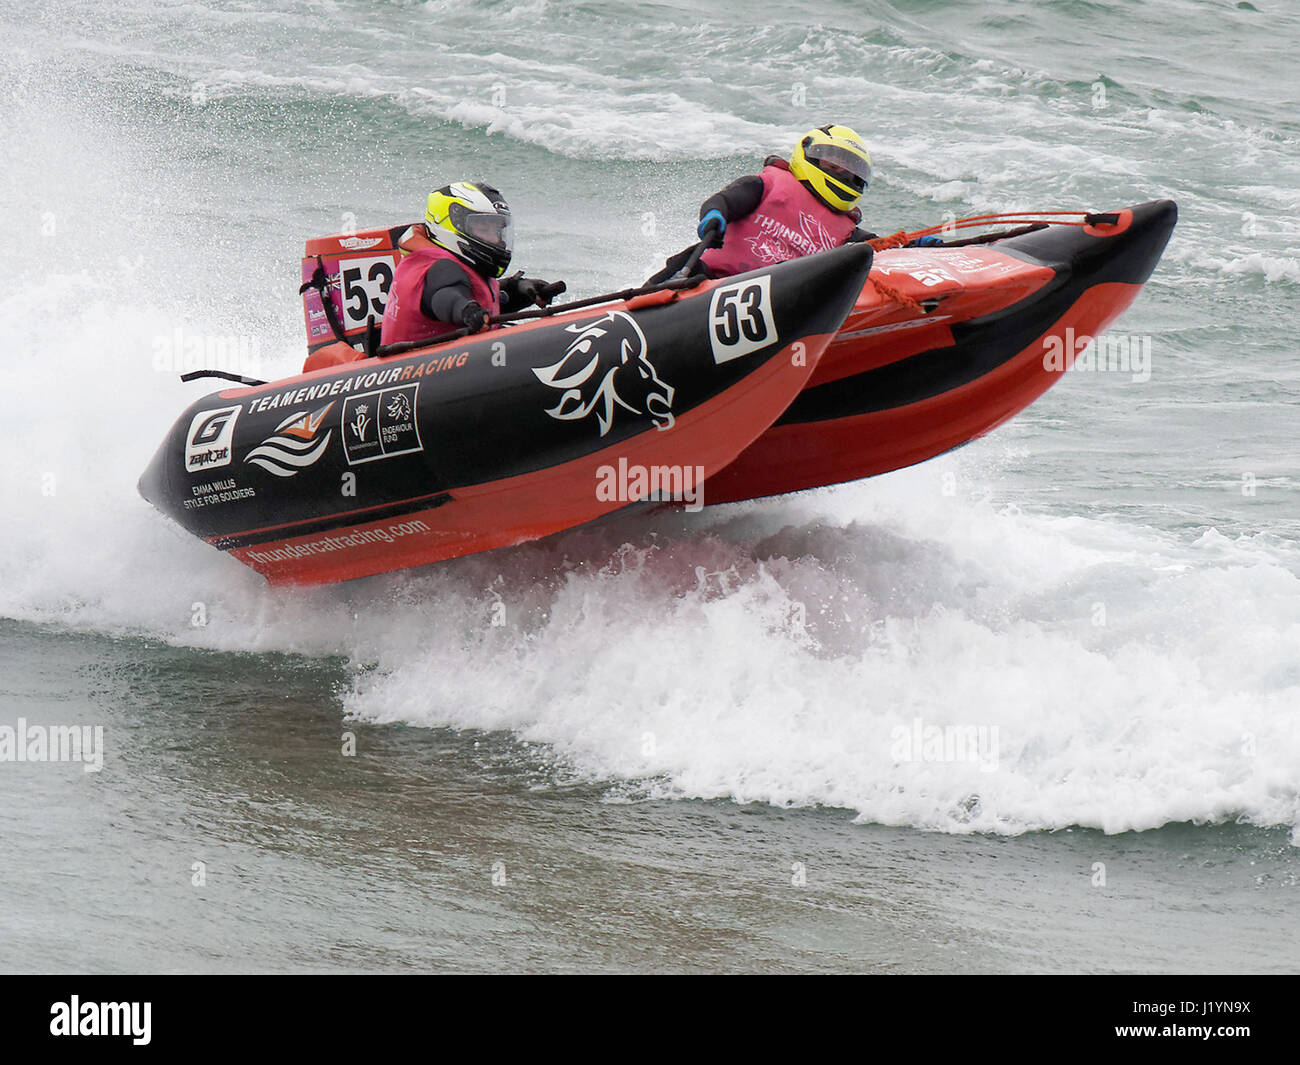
<point x="1031" y="706"/>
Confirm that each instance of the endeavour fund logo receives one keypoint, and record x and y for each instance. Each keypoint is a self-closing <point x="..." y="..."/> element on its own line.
<point x="133" y="1019"/>
<point x="380" y="424"/>
<point x="211" y="435"/>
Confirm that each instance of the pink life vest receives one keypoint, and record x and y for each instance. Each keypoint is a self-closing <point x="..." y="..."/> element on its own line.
<point x="403" y="319"/>
<point x="788" y="222"/>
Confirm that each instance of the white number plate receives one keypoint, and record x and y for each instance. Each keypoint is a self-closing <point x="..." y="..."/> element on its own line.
<point x="740" y="318"/>
<point x="363" y="286"/>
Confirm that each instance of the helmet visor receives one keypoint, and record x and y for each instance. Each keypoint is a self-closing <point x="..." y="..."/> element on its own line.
<point x="487" y="228"/>
<point x="844" y="166"/>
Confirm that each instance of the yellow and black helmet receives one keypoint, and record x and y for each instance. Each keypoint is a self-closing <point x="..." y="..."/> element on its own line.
<point x="472" y="220"/>
<point x="834" y="165"/>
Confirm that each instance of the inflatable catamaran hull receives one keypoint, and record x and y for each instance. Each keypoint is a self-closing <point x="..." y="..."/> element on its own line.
<point x="484" y="442"/>
<point x="998" y="325"/>
<point x="808" y="373"/>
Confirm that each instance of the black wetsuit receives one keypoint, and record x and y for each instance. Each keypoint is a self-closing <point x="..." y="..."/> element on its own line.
<point x="447" y="290"/>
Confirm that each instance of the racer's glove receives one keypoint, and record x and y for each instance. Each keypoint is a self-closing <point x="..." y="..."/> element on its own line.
<point x="520" y="290"/>
<point x="711" y="228"/>
<point x="548" y="290"/>
<point x="473" y="316"/>
<point x="930" y="241"/>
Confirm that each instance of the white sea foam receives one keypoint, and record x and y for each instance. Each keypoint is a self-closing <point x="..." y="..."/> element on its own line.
<point x="766" y="652"/>
<point x="1272" y="268"/>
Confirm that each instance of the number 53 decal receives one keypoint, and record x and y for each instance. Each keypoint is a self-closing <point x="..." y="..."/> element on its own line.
<point x="365" y="285"/>
<point x="740" y="318"/>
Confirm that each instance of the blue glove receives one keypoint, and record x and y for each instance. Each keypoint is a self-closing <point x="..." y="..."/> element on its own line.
<point x="926" y="242"/>
<point x="711" y="228"/>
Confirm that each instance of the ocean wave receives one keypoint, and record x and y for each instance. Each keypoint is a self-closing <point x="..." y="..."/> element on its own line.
<point x="775" y="652"/>
<point x="779" y="652"/>
<point x="1272" y="268"/>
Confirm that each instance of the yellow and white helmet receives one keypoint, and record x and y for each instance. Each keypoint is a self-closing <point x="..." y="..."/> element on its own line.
<point x="471" y="219"/>
<point x="834" y="165"/>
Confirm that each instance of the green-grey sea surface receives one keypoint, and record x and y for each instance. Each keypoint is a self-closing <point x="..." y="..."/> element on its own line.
<point x="666" y="742"/>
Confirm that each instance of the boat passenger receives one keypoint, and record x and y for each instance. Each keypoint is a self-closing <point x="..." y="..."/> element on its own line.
<point x="450" y="270"/>
<point x="794" y="208"/>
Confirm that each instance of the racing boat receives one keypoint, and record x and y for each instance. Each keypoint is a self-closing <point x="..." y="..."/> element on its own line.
<point x="810" y="372"/>
<point x="484" y="441"/>
<point x="949" y="342"/>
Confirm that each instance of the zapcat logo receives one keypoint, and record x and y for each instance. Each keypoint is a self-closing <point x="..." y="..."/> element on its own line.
<point x="606" y="367"/>
<point x="296" y="443"/>
<point x="208" y="443"/>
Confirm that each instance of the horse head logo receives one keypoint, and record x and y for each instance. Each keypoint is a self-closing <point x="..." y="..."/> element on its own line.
<point x="606" y="367"/>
